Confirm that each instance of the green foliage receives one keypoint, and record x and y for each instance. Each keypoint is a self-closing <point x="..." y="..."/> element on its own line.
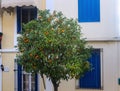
<point x="53" y="45"/>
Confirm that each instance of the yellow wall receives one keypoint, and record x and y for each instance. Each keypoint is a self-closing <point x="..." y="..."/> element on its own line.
<point x="8" y="23"/>
<point x="8" y="30"/>
<point x="43" y="4"/>
<point x="8" y="77"/>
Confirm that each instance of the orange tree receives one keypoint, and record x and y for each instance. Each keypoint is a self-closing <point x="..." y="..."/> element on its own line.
<point x="52" y="45"/>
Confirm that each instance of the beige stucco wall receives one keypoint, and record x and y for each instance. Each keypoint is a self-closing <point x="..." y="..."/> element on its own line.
<point x="8" y="29"/>
<point x="8" y="53"/>
<point x="43" y="4"/>
<point x="8" y="23"/>
<point x="8" y="77"/>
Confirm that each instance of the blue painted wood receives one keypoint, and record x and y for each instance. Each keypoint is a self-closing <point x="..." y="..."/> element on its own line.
<point x="92" y="79"/>
<point x="35" y="13"/>
<point x="36" y="82"/>
<point x="18" y="19"/>
<point x="89" y="10"/>
<point x="19" y="77"/>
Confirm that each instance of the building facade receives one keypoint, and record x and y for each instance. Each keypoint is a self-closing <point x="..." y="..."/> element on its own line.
<point x="100" y="22"/>
<point x="12" y="78"/>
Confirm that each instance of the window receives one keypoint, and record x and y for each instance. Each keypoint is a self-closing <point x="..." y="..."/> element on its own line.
<point x="26" y="81"/>
<point x="29" y="82"/>
<point x="92" y="79"/>
<point x="24" y="15"/>
<point x="88" y="10"/>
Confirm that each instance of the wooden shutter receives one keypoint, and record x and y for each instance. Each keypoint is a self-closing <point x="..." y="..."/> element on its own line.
<point x="19" y="77"/>
<point x="18" y="19"/>
<point x="92" y="79"/>
<point x="88" y="10"/>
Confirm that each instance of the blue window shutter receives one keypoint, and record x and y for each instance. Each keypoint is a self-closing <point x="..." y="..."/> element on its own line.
<point x="18" y="19"/>
<point x="88" y="10"/>
<point x="19" y="78"/>
<point x="92" y="79"/>
<point x="35" y="13"/>
<point x="36" y="82"/>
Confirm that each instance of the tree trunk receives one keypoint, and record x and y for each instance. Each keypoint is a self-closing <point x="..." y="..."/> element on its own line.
<point x="55" y="87"/>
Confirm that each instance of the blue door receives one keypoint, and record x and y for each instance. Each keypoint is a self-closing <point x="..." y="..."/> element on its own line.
<point x="92" y="79"/>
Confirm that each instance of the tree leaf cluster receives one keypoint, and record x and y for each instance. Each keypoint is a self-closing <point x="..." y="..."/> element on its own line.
<point x="53" y="45"/>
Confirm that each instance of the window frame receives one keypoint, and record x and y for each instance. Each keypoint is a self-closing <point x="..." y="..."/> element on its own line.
<point x="17" y="68"/>
<point x="16" y="34"/>
<point x="18" y="79"/>
<point x="20" y="11"/>
<point x="30" y="80"/>
<point x="101" y="74"/>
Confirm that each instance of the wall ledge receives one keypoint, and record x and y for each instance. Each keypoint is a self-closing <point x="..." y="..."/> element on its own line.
<point x="114" y="39"/>
<point x="12" y="50"/>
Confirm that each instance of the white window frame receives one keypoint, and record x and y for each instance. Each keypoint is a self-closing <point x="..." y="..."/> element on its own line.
<point x="29" y="80"/>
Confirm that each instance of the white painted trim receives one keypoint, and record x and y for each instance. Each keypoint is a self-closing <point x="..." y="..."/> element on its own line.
<point x="1" y="23"/>
<point x="15" y="28"/>
<point x="102" y="68"/>
<point x="14" y="50"/>
<point x="112" y="39"/>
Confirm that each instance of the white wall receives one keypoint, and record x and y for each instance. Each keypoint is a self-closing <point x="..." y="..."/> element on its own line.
<point x="109" y="68"/>
<point x="108" y="26"/>
<point x="110" y="64"/>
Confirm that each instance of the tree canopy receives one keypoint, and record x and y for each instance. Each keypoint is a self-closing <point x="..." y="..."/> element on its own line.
<point x="53" y="45"/>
